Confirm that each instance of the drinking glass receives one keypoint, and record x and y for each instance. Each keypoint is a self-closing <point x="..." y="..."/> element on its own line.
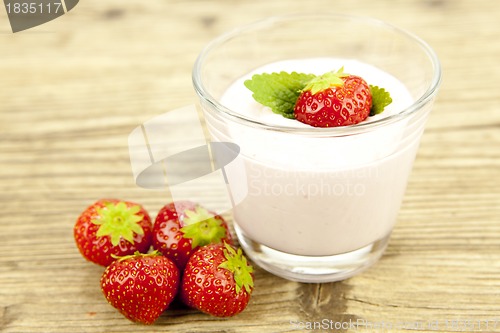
<point x="317" y="204"/>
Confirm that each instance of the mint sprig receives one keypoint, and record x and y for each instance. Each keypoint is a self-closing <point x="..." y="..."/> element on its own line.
<point x="380" y="99"/>
<point x="279" y="91"/>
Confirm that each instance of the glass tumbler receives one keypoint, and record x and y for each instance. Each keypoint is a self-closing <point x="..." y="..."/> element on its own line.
<point x="317" y="204"/>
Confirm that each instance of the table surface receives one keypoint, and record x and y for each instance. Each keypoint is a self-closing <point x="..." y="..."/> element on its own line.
<point x="71" y="91"/>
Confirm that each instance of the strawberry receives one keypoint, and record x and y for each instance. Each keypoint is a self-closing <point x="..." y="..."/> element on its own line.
<point x="334" y="99"/>
<point x="181" y="227"/>
<point x="217" y="280"/>
<point x="141" y="286"/>
<point x="112" y="227"/>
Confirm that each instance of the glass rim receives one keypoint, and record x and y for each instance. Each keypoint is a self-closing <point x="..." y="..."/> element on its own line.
<point x="225" y="112"/>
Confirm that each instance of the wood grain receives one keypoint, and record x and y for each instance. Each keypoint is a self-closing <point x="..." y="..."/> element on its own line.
<point x="71" y="90"/>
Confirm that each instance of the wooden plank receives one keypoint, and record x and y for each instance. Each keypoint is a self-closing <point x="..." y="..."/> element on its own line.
<point x="72" y="90"/>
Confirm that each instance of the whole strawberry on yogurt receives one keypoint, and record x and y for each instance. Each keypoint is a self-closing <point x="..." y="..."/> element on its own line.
<point x="334" y="99"/>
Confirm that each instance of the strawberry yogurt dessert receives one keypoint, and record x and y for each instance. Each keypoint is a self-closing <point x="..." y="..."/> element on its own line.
<point x="326" y="143"/>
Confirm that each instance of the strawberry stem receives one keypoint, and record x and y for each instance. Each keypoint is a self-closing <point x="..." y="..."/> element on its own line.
<point x="119" y="221"/>
<point x="238" y="265"/>
<point x="325" y="81"/>
<point x="202" y="227"/>
<point x="137" y="254"/>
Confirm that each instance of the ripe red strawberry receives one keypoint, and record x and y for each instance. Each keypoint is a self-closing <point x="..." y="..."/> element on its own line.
<point x="112" y="227"/>
<point x="334" y="99"/>
<point x="217" y="280"/>
<point x="141" y="286"/>
<point x="181" y="227"/>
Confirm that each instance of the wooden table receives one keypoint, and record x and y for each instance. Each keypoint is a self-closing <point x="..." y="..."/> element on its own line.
<point x="71" y="91"/>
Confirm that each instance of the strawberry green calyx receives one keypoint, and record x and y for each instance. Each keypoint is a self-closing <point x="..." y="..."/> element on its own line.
<point x="117" y="221"/>
<point x="238" y="265"/>
<point x="202" y="227"/>
<point x="325" y="81"/>
<point x="137" y="255"/>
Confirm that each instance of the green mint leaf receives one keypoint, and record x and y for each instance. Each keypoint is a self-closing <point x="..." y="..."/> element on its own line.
<point x="380" y="99"/>
<point x="279" y="91"/>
